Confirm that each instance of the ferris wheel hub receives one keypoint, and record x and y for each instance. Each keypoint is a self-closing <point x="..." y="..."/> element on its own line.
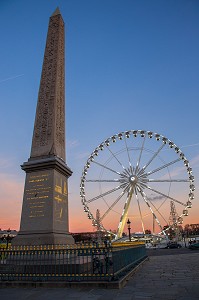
<point x="133" y="179"/>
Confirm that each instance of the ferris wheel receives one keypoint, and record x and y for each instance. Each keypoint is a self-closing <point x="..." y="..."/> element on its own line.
<point x="136" y="174"/>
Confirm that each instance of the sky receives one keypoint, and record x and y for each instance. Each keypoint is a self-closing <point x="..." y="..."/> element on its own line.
<point x="129" y="65"/>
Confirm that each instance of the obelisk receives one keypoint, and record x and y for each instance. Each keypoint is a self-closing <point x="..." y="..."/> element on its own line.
<point x="44" y="217"/>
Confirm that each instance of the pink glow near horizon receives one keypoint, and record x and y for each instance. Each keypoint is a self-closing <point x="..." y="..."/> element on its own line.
<point x="11" y="192"/>
<point x="11" y="195"/>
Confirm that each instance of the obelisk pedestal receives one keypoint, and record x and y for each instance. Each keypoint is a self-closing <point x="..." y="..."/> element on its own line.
<point x="44" y="218"/>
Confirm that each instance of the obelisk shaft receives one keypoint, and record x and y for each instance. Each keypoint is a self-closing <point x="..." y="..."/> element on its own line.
<point x="49" y="129"/>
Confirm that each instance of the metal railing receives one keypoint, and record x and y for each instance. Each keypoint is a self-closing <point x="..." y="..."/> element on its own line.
<point x="72" y="264"/>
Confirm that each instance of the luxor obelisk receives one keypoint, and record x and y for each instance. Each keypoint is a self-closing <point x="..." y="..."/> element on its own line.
<point x="44" y="217"/>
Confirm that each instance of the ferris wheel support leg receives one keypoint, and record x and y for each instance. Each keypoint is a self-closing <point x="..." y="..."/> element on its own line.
<point x="125" y="213"/>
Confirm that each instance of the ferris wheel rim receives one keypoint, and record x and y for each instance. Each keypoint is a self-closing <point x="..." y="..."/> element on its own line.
<point x="126" y="134"/>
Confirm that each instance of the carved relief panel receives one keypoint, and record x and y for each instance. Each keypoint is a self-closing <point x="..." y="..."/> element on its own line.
<point x="49" y="128"/>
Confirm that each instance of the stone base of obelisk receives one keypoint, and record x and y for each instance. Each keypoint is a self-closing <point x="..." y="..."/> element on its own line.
<point x="44" y="218"/>
<point x="42" y="239"/>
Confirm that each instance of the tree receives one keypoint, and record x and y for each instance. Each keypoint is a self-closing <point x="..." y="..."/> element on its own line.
<point x="147" y="231"/>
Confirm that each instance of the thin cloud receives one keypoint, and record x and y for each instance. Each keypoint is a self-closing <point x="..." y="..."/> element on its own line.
<point x="185" y="146"/>
<point x="191" y="145"/>
<point x="82" y="155"/>
<point x="195" y="160"/>
<point x="72" y="143"/>
<point x="4" y="163"/>
<point x="11" y="78"/>
<point x="180" y="170"/>
<point x="10" y="187"/>
<point x="153" y="197"/>
<point x="177" y="171"/>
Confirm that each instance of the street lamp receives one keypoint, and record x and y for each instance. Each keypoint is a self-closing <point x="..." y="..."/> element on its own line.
<point x="8" y="237"/>
<point x="129" y="229"/>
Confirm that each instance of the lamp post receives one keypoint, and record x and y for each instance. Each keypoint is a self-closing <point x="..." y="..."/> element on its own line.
<point x="8" y="237"/>
<point x="129" y="229"/>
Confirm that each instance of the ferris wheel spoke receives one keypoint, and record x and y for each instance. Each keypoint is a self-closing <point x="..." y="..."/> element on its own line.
<point x="161" y="203"/>
<point x="147" y="202"/>
<point x="164" y="166"/>
<point x="157" y="209"/>
<point x="106" y="193"/>
<point x="105" y="167"/>
<point x="141" y="150"/>
<point x="166" y="196"/>
<point x="125" y="213"/>
<point x="115" y="157"/>
<point x="128" y="153"/>
<point x="168" y="180"/>
<point x="113" y="204"/>
<point x="138" y="202"/>
<point x="153" y="157"/>
<point x="102" y="180"/>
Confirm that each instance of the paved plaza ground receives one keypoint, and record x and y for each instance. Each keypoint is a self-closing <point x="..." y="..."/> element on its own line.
<point x="167" y="275"/>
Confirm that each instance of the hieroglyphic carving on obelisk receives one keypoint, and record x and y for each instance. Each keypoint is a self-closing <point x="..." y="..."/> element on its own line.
<point x="49" y="130"/>
<point x="44" y="217"/>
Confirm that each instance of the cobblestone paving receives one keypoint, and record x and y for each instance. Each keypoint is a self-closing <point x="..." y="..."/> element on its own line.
<point x="165" y="277"/>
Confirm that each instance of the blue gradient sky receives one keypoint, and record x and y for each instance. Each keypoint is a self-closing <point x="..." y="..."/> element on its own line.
<point x="129" y="65"/>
